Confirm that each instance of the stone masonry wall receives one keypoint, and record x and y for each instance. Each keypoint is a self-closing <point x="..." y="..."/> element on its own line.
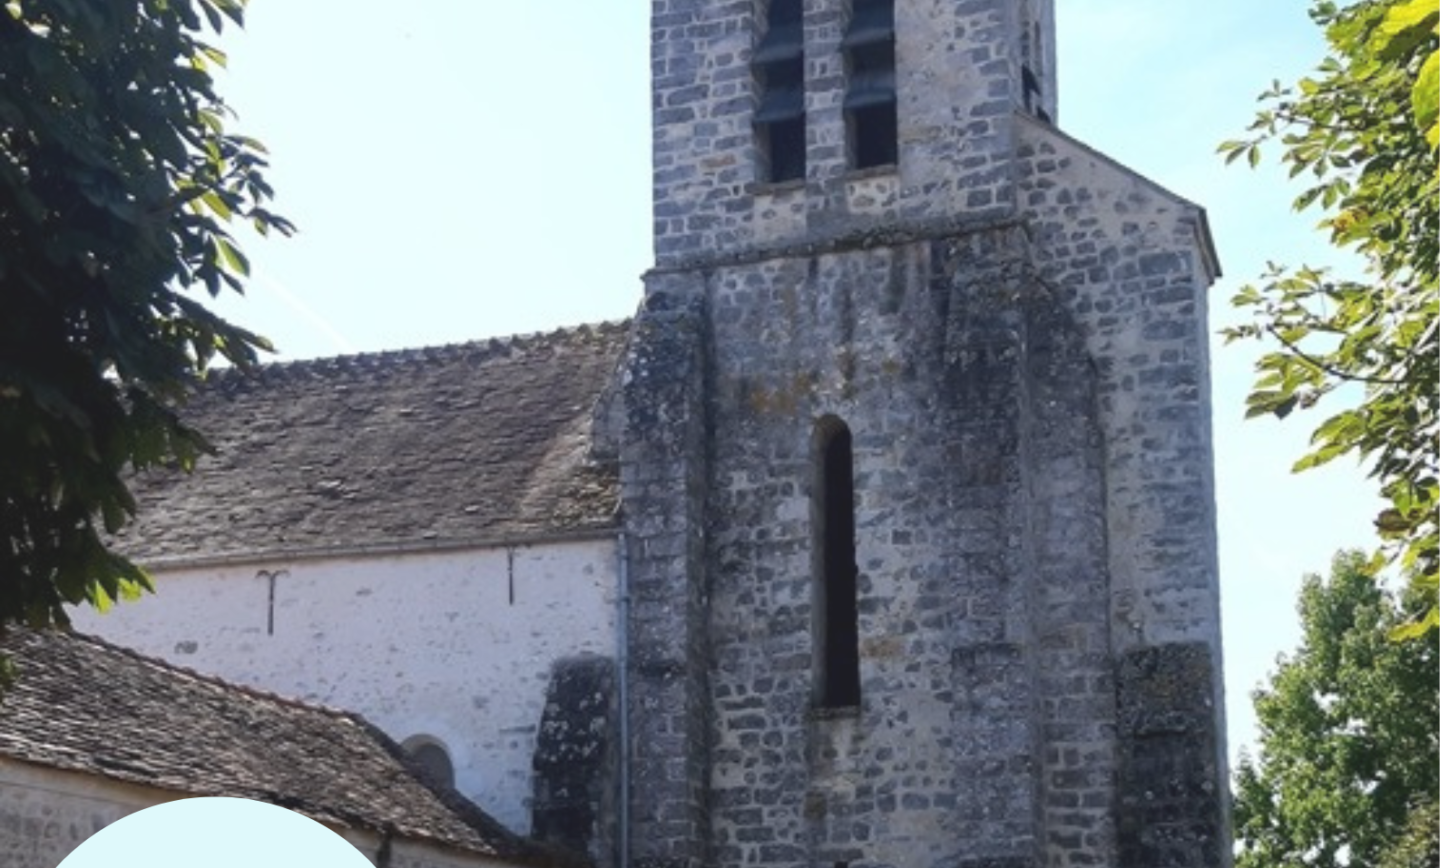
<point x="45" y="814"/>
<point x="1172" y="802"/>
<point x="1070" y="608"/>
<point x="1127" y="258"/>
<point x="925" y="350"/>
<point x="662" y="478"/>
<point x="955" y="150"/>
<point x="1132" y="262"/>
<point x="985" y="424"/>
<point x="987" y="395"/>
<point x="1013" y="328"/>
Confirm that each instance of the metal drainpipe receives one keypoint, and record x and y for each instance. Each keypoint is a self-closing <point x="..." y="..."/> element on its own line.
<point x="622" y="655"/>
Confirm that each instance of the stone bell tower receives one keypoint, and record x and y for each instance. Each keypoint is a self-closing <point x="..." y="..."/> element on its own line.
<point x="916" y="460"/>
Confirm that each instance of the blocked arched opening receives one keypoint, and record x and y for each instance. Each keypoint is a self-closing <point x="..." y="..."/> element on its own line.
<point x="430" y="755"/>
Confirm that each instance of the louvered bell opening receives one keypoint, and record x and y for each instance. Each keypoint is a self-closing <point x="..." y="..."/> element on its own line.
<point x="871" y="88"/>
<point x="780" y="104"/>
<point x="782" y="42"/>
<point x="870" y="23"/>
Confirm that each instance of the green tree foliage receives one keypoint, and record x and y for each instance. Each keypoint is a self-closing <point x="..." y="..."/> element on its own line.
<point x="1349" y="761"/>
<point x="1419" y="844"/>
<point x="118" y="184"/>
<point x="1364" y="132"/>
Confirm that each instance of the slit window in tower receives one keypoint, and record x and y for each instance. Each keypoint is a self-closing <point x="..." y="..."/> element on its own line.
<point x="871" y="123"/>
<point x="779" y="68"/>
<point x="1033" y="100"/>
<point x="837" y="632"/>
<point x="1032" y="57"/>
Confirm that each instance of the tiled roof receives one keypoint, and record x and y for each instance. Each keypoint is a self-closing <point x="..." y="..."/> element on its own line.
<point x="479" y="441"/>
<point x="86" y="706"/>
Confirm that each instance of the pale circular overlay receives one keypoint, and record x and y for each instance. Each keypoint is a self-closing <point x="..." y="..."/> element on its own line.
<point x="215" y="833"/>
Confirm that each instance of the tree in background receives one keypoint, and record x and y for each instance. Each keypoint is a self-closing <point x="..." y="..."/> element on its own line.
<point x="1347" y="768"/>
<point x="1365" y="131"/>
<point x="118" y="180"/>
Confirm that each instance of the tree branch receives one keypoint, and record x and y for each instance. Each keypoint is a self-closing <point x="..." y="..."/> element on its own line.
<point x="1329" y="368"/>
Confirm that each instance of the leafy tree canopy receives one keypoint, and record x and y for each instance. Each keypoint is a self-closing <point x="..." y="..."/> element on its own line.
<point x="119" y="180"/>
<point x="1349" y="762"/>
<point x="1363" y="131"/>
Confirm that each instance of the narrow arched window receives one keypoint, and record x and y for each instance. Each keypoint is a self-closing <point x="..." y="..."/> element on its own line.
<point x="1032" y="63"/>
<point x="836" y="621"/>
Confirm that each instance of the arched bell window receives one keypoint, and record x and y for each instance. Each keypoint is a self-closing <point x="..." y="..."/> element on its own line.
<point x="779" y="68"/>
<point x="871" y="122"/>
<point x="836" y="620"/>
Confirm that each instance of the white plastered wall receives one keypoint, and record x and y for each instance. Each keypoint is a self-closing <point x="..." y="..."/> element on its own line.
<point x="456" y="646"/>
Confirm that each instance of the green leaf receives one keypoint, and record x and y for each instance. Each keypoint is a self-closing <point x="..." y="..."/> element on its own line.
<point x="1409" y="15"/>
<point x="1418" y="629"/>
<point x="1366" y="124"/>
<point x="217" y="204"/>
<point x="114" y="196"/>
<point x="1425" y="97"/>
<point x="231" y="256"/>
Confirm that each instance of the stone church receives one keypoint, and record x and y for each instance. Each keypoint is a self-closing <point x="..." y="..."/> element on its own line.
<point x="882" y="536"/>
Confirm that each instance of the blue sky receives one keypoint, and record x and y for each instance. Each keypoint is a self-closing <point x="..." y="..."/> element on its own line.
<point x="463" y="169"/>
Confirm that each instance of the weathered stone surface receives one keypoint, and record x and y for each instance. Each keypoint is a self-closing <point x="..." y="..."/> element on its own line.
<point x="574" y="758"/>
<point x="1012" y="328"/>
<point x="960" y="80"/>
<point x="1170" y="810"/>
<point x="662" y="486"/>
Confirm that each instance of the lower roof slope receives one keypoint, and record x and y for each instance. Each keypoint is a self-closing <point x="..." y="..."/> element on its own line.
<point x="480" y="441"/>
<point x="83" y="705"/>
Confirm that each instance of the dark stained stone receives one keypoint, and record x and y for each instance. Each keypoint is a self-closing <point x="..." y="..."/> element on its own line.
<point x="573" y="755"/>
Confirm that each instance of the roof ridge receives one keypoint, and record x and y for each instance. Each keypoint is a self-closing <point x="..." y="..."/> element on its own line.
<point x="372" y="360"/>
<point x="206" y="678"/>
